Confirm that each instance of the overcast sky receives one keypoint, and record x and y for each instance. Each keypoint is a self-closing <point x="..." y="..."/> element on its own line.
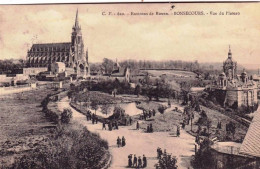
<point x="204" y="38"/>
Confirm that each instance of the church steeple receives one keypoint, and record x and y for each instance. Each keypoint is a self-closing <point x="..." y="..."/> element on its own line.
<point x="229" y="53"/>
<point x="76" y="26"/>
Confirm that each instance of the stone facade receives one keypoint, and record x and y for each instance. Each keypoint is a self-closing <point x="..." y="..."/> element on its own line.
<point x="72" y="53"/>
<point x="239" y="90"/>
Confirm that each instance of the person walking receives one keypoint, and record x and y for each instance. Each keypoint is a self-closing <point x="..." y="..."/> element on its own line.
<point x="125" y="121"/>
<point x="178" y="131"/>
<point x="118" y="142"/>
<point x="139" y="162"/>
<point x="148" y="128"/>
<point x="130" y="121"/>
<point x="104" y="126"/>
<point x="116" y="125"/>
<point x="123" y="141"/>
<point x="93" y="120"/>
<point x="137" y="125"/>
<point x="151" y="128"/>
<point x="158" y="152"/>
<point x="144" y="161"/>
<point x="135" y="161"/>
<point x="130" y="160"/>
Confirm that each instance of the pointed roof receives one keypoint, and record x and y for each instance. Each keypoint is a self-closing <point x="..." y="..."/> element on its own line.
<point x="229" y="59"/>
<point x="76" y="20"/>
<point x="229" y="52"/>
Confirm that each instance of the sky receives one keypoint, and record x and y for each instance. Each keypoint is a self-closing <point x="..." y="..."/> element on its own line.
<point x="205" y="38"/>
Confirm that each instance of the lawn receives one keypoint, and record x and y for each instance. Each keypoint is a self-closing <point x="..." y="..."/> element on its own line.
<point x="23" y="125"/>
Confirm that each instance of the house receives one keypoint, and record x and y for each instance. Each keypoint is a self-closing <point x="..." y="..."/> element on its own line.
<point x="119" y="73"/>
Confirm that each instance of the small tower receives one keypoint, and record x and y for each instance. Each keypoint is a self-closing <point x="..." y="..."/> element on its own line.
<point x="244" y="77"/>
<point x="116" y="67"/>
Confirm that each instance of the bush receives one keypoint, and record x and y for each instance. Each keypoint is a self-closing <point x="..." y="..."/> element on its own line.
<point x="66" y="116"/>
<point x="162" y="108"/>
<point x="67" y="149"/>
<point x="167" y="161"/>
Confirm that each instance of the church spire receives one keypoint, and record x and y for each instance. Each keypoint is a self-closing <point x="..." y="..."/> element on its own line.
<point x="229" y="53"/>
<point x="76" y="20"/>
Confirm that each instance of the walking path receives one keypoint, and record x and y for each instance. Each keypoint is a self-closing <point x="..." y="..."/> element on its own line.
<point x="138" y="142"/>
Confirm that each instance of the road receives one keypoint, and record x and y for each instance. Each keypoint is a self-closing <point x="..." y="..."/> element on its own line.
<point x="138" y="142"/>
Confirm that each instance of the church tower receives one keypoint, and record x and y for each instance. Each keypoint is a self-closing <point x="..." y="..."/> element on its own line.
<point x="77" y="44"/>
<point x="230" y="66"/>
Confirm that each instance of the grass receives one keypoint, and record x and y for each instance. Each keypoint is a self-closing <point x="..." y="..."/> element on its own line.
<point x="29" y="140"/>
<point x="163" y="123"/>
<point x="23" y="125"/>
<point x="101" y="98"/>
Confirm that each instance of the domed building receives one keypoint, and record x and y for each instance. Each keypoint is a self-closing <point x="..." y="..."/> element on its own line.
<point x="235" y="90"/>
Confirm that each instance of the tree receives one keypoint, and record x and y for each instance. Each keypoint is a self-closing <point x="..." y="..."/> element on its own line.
<point x="94" y="105"/>
<point x="161" y="109"/>
<point x="66" y="116"/>
<point x="138" y="90"/>
<point x="167" y="161"/>
<point x="105" y="109"/>
<point x="108" y="65"/>
<point x="209" y="123"/>
<point x="231" y="128"/>
<point x="119" y="112"/>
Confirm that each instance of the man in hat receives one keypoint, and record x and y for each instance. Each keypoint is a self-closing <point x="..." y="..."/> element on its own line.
<point x="139" y="162"/>
<point x="135" y="161"/>
<point x="144" y="161"/>
<point x="123" y="141"/>
<point x="130" y="160"/>
<point x="118" y="142"/>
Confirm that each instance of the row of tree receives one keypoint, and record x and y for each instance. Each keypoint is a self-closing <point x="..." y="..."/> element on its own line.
<point x="11" y="66"/>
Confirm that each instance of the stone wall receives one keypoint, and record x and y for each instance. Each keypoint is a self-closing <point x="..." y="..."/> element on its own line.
<point x="232" y="97"/>
<point x="34" y="70"/>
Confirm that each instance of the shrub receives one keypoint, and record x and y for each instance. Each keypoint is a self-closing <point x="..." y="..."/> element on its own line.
<point x="162" y="108"/>
<point x="167" y="161"/>
<point x="66" y="116"/>
<point x="67" y="148"/>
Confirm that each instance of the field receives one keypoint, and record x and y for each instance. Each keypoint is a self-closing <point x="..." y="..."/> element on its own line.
<point x="172" y="73"/>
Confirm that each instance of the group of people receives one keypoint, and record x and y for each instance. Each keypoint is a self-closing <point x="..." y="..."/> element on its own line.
<point x="159" y="152"/>
<point x="147" y="115"/>
<point x="111" y="125"/>
<point x="91" y="116"/>
<point x="121" y="142"/>
<point x="149" y="128"/>
<point x="128" y="121"/>
<point x="137" y="163"/>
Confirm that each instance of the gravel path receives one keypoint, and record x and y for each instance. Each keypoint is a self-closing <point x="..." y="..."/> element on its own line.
<point x="138" y="142"/>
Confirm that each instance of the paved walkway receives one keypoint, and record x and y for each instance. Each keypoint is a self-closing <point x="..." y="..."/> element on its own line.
<point x="138" y="143"/>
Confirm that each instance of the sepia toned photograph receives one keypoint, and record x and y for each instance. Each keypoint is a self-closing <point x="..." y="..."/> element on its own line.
<point x="160" y="85"/>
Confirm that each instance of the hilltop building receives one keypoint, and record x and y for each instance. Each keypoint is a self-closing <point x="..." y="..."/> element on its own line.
<point x="235" y="90"/>
<point x="119" y="73"/>
<point x="72" y="54"/>
<point x="122" y="74"/>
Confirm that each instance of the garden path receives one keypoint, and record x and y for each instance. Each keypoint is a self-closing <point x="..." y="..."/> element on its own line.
<point x="138" y="142"/>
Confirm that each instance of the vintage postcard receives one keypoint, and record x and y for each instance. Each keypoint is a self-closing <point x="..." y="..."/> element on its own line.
<point x="130" y="85"/>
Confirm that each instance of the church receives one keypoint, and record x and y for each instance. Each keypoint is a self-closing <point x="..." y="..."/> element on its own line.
<point x="72" y="54"/>
<point x="234" y="90"/>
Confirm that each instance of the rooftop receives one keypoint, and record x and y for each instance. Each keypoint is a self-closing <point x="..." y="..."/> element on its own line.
<point x="250" y="145"/>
